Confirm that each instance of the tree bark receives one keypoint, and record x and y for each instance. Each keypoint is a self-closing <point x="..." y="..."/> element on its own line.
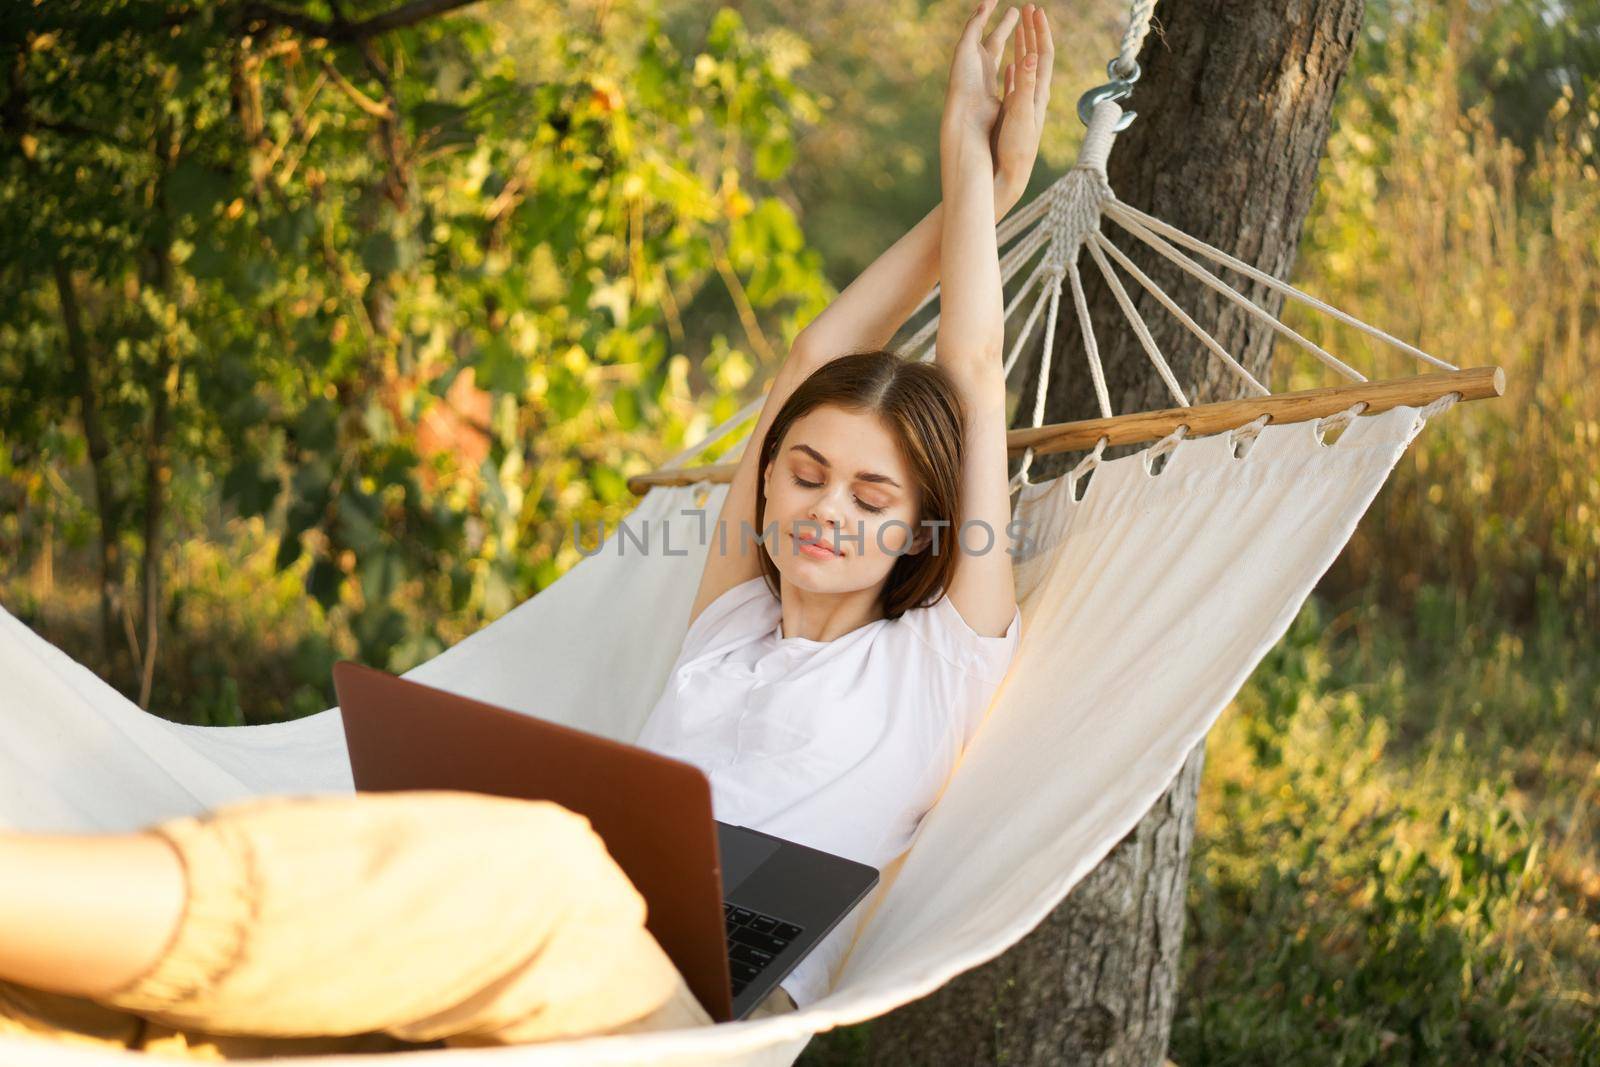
<point x="1234" y="110"/>
<point x="108" y="508"/>
<point x="164" y="382"/>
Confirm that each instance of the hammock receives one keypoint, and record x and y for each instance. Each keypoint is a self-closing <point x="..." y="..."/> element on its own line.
<point x="1197" y="568"/>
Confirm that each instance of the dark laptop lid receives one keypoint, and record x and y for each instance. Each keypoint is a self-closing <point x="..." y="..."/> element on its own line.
<point x="653" y="812"/>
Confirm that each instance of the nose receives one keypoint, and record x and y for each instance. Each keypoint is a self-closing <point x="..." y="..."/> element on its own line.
<point x="826" y="509"/>
<point x="822" y="518"/>
<point x="818" y="526"/>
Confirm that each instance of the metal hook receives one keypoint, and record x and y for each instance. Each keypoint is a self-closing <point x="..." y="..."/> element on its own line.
<point x="1115" y="89"/>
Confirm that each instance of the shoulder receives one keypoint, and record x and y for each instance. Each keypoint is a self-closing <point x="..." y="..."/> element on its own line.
<point x="940" y="629"/>
<point x="739" y="613"/>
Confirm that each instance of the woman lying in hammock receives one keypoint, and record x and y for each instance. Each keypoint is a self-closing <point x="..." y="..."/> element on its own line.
<point x="831" y="674"/>
<point x="828" y="680"/>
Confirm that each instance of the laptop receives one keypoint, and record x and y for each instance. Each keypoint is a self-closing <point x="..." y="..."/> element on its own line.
<point x="735" y="909"/>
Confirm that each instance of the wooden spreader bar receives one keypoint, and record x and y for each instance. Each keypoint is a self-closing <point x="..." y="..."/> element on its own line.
<point x="1477" y="383"/>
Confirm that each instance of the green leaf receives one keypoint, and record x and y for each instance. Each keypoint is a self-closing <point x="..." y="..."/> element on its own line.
<point x="444" y="122"/>
<point x="323" y="583"/>
<point x="724" y="30"/>
<point x="381" y="574"/>
<point x="209" y="260"/>
<point x="772" y="158"/>
<point x="310" y="484"/>
<point x="625" y="405"/>
<point x="249" y="488"/>
<point x="288" y="552"/>
<point x="610" y="486"/>
<point x="496" y="593"/>
<point x="378" y="631"/>
<point x="460" y="588"/>
<point x="377" y="421"/>
<point x="317" y="427"/>
<point x="499" y="369"/>
<point x="195" y="189"/>
<point x="358" y="525"/>
<point x="566" y="395"/>
<point x="381" y="254"/>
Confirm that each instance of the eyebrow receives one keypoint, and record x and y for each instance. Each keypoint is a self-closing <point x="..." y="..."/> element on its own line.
<point x="865" y="476"/>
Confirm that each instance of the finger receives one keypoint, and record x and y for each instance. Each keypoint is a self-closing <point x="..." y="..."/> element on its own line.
<point x="995" y="43"/>
<point x="1027" y="81"/>
<point x="980" y="15"/>
<point x="1011" y="78"/>
<point x="1025" y="16"/>
<point x="1047" y="65"/>
<point x="1019" y="43"/>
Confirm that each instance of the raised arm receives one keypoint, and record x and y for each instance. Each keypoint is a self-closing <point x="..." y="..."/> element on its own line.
<point x="870" y="309"/>
<point x="971" y="327"/>
<point x="878" y="302"/>
<point x="971" y="313"/>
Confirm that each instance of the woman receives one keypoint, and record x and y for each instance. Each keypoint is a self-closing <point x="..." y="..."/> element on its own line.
<point x="883" y="601"/>
<point x="857" y="610"/>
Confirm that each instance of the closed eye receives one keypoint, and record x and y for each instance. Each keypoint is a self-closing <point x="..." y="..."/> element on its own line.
<point x="802" y="483"/>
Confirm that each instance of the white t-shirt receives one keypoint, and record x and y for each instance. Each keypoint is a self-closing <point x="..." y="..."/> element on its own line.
<point x="841" y="745"/>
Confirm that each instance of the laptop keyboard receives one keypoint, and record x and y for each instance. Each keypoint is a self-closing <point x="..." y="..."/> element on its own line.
<point x="754" y="940"/>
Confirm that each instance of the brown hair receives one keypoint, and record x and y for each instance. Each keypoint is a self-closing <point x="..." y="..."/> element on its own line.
<point x="919" y="404"/>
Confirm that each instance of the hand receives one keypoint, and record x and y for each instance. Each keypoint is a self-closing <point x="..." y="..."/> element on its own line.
<point x="1014" y="139"/>
<point x="972" y="97"/>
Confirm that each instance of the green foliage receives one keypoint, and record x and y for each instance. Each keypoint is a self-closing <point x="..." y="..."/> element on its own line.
<point x="1378" y="876"/>
<point x="294" y="247"/>
<point x="1432" y="223"/>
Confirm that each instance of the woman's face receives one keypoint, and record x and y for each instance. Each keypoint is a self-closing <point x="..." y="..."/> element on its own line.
<point x="838" y="482"/>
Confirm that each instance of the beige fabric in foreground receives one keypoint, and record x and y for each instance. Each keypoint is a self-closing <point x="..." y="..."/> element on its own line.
<point x="382" y="922"/>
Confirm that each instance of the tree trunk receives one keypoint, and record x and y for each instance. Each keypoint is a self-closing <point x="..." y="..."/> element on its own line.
<point x="108" y="508"/>
<point x="1234" y="111"/>
<point x="165" y="377"/>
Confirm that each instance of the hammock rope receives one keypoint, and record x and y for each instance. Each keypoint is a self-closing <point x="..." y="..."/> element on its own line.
<point x="1139" y="18"/>
<point x="1140" y="330"/>
<point x="1119" y="207"/>
<point x="1211" y="281"/>
<point x="1066" y="219"/>
<point x="1182" y="316"/>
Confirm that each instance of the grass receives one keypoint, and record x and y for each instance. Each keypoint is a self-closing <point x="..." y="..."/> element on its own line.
<point x="1395" y="856"/>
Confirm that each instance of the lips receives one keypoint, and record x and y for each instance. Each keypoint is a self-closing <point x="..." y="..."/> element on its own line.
<point x="815" y="548"/>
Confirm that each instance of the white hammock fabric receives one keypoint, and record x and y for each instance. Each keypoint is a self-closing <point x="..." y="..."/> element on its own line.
<point x="1145" y="607"/>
